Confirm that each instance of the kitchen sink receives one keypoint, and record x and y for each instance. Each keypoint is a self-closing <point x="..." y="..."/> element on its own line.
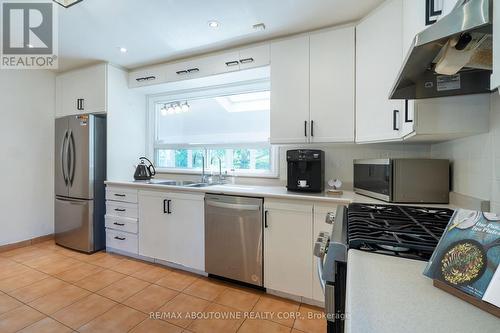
<point x="184" y="183"/>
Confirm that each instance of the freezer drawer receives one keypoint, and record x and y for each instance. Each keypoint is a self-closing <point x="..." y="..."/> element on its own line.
<point x="233" y="238"/>
<point x="74" y="223"/>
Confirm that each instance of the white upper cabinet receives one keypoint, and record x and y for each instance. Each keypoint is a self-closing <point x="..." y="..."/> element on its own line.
<point x="378" y="60"/>
<point x="82" y="91"/>
<point x="255" y="56"/>
<point x="332" y="72"/>
<point x="290" y="90"/>
<point x="312" y="88"/>
<point x="495" y="78"/>
<point x="219" y="63"/>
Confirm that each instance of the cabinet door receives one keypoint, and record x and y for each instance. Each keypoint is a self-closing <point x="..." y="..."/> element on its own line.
<point x="82" y="91"/>
<point x="332" y="86"/>
<point x="186" y="230"/>
<point x="290" y="91"/>
<point x="378" y="61"/>
<point x="320" y="225"/>
<point x="153" y="225"/>
<point x="146" y="77"/>
<point x="253" y="57"/>
<point x="288" y="248"/>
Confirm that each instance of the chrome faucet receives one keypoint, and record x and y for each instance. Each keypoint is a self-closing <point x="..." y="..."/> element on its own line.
<point x="203" y="175"/>
<point x="221" y="177"/>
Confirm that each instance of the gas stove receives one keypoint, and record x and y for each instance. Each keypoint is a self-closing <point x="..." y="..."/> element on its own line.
<point x="406" y="231"/>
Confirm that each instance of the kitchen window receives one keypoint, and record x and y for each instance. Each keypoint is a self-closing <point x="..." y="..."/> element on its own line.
<point x="230" y="125"/>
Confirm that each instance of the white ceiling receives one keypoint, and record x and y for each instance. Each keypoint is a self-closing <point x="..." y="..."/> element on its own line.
<point x="159" y="30"/>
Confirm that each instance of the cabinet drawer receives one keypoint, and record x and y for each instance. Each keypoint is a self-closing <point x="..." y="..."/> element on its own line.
<point x="121" y="209"/>
<point x="122" y="224"/>
<point x="122" y="241"/>
<point x="121" y="194"/>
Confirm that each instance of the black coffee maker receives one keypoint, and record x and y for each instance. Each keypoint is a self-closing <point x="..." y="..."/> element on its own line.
<point x="306" y="170"/>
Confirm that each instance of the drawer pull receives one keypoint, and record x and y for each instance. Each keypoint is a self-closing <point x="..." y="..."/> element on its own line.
<point x="120" y="195"/>
<point x="246" y="60"/>
<point x="193" y="70"/>
<point x="181" y="72"/>
<point x="120" y="210"/>
<point x="232" y="63"/>
<point x="120" y="238"/>
<point x="119" y="224"/>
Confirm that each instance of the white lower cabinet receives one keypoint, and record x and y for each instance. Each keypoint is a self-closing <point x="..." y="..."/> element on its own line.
<point x="172" y="228"/>
<point x="121" y="220"/>
<point x="288" y="247"/>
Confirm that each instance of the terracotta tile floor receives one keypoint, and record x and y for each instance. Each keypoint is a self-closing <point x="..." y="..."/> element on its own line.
<point x="47" y="288"/>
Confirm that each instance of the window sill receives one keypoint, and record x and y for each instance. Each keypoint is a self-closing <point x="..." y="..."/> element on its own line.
<point x="198" y="173"/>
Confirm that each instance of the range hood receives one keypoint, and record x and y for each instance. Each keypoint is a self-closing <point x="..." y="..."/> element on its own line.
<point x="451" y="57"/>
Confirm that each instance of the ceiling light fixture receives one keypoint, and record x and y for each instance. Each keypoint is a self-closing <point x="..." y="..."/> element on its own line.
<point x="213" y="24"/>
<point x="163" y="110"/>
<point x="67" y="3"/>
<point x="259" y="27"/>
<point x="175" y="108"/>
<point x="123" y="49"/>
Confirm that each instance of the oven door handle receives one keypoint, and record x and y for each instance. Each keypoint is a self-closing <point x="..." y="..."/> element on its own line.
<point x="319" y="253"/>
<point x="319" y="265"/>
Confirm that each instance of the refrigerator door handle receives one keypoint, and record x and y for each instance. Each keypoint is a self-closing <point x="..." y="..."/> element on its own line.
<point x="71" y="158"/>
<point x="64" y="153"/>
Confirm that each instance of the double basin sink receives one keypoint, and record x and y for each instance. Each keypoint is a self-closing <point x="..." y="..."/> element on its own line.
<point x="183" y="183"/>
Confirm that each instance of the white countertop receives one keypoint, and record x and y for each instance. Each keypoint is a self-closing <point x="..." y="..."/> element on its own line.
<point x="387" y="294"/>
<point x="278" y="192"/>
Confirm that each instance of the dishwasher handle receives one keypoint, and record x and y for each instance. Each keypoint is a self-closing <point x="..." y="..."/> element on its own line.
<point x="233" y="206"/>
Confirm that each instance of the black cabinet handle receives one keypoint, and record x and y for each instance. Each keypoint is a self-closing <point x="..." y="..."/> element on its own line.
<point x="193" y="70"/>
<point x="312" y="128"/>
<point x="119" y="224"/>
<point x="407" y="118"/>
<point x="181" y="72"/>
<point x="232" y="63"/>
<point x="305" y="128"/>
<point x="168" y="207"/>
<point x="120" y="210"/>
<point x="120" y="195"/>
<point x="120" y="238"/>
<point x="165" y="211"/>
<point x="246" y="60"/>
<point x="395" y="120"/>
<point x="266" y="225"/>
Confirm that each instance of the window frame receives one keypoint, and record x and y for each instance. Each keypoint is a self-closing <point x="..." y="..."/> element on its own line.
<point x="207" y="92"/>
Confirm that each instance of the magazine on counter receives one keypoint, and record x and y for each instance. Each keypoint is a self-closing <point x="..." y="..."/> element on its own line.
<point x="468" y="255"/>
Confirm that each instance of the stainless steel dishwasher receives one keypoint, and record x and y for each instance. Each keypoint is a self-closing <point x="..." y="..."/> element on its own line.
<point x="233" y="238"/>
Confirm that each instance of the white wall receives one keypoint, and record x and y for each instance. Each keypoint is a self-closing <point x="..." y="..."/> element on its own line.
<point x="126" y="118"/>
<point x="476" y="160"/>
<point x="27" y="153"/>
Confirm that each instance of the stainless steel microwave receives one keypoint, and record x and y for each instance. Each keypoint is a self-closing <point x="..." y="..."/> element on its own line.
<point x="403" y="180"/>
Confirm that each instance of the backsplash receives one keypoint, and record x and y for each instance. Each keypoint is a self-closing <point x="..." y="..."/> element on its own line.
<point x="338" y="164"/>
<point x="476" y="161"/>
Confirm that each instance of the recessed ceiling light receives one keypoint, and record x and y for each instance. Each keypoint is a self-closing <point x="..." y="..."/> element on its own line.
<point x="122" y="49"/>
<point x="213" y="24"/>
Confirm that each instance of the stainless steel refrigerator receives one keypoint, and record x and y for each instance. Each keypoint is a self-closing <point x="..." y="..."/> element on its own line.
<point x="80" y="171"/>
